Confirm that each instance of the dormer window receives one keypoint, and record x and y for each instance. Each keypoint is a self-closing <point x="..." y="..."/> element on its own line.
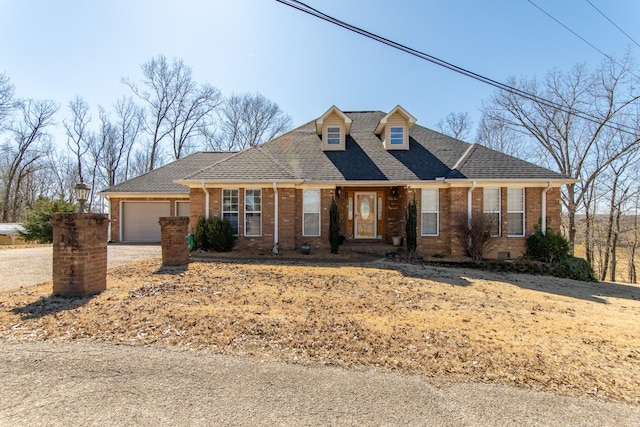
<point x="333" y="128"/>
<point x="396" y="135"/>
<point x="393" y="129"/>
<point x="333" y="135"/>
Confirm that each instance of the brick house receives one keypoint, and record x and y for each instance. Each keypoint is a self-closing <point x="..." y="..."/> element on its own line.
<point x="372" y="163"/>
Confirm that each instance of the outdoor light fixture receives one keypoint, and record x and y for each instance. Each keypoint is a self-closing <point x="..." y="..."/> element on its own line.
<point x="82" y="194"/>
<point x="338" y="191"/>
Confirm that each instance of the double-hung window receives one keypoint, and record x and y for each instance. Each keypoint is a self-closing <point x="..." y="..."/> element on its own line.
<point x="396" y="135"/>
<point x="230" y="208"/>
<point x="253" y="212"/>
<point x="430" y="212"/>
<point x="333" y="135"/>
<point x="515" y="212"/>
<point x="311" y="213"/>
<point x="492" y="209"/>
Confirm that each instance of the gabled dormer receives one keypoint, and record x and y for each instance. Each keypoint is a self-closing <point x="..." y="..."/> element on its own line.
<point x="394" y="129"/>
<point x="333" y="128"/>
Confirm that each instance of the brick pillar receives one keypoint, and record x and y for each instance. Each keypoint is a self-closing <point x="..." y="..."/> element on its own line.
<point x="79" y="253"/>
<point x="175" y="244"/>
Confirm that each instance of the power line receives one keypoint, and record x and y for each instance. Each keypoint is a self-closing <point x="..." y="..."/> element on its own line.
<point x="609" y="57"/>
<point x="502" y="86"/>
<point x="570" y="30"/>
<point x="613" y="23"/>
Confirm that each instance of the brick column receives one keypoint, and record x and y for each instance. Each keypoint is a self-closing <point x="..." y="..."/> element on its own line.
<point x="175" y="244"/>
<point x="79" y="253"/>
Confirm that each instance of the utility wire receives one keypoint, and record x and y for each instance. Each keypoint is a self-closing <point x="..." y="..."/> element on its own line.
<point x="581" y="114"/>
<point x="570" y="30"/>
<point x="613" y="23"/>
<point x="609" y="57"/>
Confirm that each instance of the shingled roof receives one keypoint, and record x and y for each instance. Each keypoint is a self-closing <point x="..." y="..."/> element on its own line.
<point x="161" y="180"/>
<point x="298" y="155"/>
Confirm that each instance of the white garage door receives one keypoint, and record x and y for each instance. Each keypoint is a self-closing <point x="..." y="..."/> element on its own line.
<point x="140" y="220"/>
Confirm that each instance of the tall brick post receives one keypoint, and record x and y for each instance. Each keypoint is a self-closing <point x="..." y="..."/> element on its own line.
<point x="175" y="244"/>
<point x="79" y="253"/>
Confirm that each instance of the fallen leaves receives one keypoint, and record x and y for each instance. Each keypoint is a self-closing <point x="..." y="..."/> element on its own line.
<point x="443" y="323"/>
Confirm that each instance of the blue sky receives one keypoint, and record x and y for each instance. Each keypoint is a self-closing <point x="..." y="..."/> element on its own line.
<point x="63" y="48"/>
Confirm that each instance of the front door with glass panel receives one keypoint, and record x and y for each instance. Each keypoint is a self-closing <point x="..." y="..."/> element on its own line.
<point x="365" y="216"/>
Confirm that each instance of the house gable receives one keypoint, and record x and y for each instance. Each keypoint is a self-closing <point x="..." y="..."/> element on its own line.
<point x="394" y="128"/>
<point x="333" y="128"/>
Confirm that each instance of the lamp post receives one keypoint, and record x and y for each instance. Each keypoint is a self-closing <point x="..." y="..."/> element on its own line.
<point x="82" y="194"/>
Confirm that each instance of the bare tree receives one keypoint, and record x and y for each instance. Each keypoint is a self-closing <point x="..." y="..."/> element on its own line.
<point x="78" y="134"/>
<point x="128" y="125"/>
<point x="495" y="133"/>
<point x="248" y="120"/>
<point x="457" y="125"/>
<point x="188" y="118"/>
<point x="633" y="242"/>
<point x="570" y="136"/>
<point x="175" y="104"/>
<point x="30" y="142"/>
<point x="7" y="102"/>
<point x="63" y="175"/>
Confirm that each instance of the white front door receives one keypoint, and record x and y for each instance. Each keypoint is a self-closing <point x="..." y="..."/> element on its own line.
<point x="366" y="217"/>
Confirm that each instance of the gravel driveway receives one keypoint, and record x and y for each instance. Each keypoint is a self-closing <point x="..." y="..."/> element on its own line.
<point x="28" y="266"/>
<point x="82" y="383"/>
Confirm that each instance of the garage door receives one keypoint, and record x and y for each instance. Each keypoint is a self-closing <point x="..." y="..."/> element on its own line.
<point x="140" y="220"/>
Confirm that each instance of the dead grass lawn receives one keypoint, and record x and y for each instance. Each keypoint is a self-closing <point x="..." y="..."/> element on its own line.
<point x="447" y="324"/>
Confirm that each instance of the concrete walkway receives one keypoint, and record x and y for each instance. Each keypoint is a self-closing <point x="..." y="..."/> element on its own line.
<point x="28" y="266"/>
<point x="61" y="384"/>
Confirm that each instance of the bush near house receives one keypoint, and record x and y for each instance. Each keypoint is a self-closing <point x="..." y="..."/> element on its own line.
<point x="334" y="227"/>
<point x="214" y="234"/>
<point x="478" y="233"/>
<point x="552" y="248"/>
<point x="411" y="226"/>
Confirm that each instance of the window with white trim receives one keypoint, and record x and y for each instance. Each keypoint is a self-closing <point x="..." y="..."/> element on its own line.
<point x="230" y="208"/>
<point x="491" y="209"/>
<point x="253" y="212"/>
<point x="515" y="212"/>
<point x="396" y="135"/>
<point x="333" y="135"/>
<point x="430" y="212"/>
<point x="311" y="213"/>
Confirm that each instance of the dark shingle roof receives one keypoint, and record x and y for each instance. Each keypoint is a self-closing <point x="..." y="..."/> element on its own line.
<point x="297" y="155"/>
<point x="160" y="180"/>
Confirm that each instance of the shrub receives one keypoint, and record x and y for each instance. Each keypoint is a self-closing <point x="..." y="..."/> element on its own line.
<point x="477" y="233"/>
<point x="37" y="226"/>
<point x="200" y="234"/>
<point x="574" y="268"/>
<point x="411" y="226"/>
<point x="214" y="233"/>
<point x="547" y="247"/>
<point x="334" y="227"/>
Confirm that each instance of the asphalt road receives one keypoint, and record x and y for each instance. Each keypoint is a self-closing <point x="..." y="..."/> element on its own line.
<point x="28" y="266"/>
<point x="82" y="383"/>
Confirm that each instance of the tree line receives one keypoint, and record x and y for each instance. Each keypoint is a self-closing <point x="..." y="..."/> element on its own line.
<point x="584" y="124"/>
<point x="166" y="116"/>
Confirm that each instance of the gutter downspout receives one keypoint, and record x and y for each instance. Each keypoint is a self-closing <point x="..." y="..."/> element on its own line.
<point x="544" y="207"/>
<point x="470" y="203"/>
<point x="275" y="218"/>
<point x="206" y="200"/>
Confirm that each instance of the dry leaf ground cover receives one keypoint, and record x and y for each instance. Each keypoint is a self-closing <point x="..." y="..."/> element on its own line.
<point x="447" y="324"/>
